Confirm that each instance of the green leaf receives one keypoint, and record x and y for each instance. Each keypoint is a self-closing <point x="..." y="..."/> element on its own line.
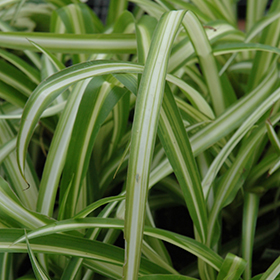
<point x="263" y="61"/>
<point x="232" y="268"/>
<point x="90" y="208"/>
<point x="241" y="47"/>
<point x="150" y="7"/>
<point x="178" y="150"/>
<point x="234" y="115"/>
<point x="193" y="96"/>
<point x="207" y="61"/>
<point x="38" y="271"/>
<point x="144" y="31"/>
<point x="188" y="6"/>
<point x="70" y="43"/>
<point x="120" y="119"/>
<point x="115" y="9"/>
<point x="6" y="265"/>
<point x="15" y="78"/>
<point x="28" y="196"/>
<point x="250" y="215"/>
<point x="263" y="22"/>
<point x="7" y="148"/>
<point x="272" y="136"/>
<point x="97" y="254"/>
<point x="144" y="129"/>
<point x="225" y="123"/>
<point x="77" y="19"/>
<point x="221" y="30"/>
<point x="254" y="12"/>
<point x="273" y="271"/>
<point x="12" y="95"/>
<point x="186" y="243"/>
<point x="233" y="180"/>
<point x="25" y="68"/>
<point x="57" y="152"/>
<point x="14" y="214"/>
<point x="49" y="89"/>
<point x="233" y="141"/>
<point x="97" y="102"/>
<point x="56" y="63"/>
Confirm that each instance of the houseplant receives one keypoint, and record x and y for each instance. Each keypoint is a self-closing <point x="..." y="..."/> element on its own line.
<point x="165" y="111"/>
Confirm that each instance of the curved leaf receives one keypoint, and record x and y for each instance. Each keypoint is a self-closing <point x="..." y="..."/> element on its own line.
<point x="97" y="102"/>
<point x="181" y="241"/>
<point x="144" y="129"/>
<point x="49" y="89"/>
<point x="96" y="253"/>
<point x="38" y="271"/>
<point x="70" y="43"/>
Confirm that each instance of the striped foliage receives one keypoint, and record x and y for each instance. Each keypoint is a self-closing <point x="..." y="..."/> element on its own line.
<point x="142" y="147"/>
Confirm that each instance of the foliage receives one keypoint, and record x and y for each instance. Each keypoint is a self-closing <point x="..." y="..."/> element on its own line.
<point x="159" y="127"/>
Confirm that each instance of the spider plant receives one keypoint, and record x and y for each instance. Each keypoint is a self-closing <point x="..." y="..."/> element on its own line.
<point x="146" y="147"/>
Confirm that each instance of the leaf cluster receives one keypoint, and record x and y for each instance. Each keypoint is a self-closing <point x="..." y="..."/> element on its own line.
<point x="146" y="147"/>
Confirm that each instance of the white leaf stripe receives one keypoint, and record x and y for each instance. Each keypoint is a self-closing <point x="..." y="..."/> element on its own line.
<point x="184" y="242"/>
<point x="48" y="90"/>
<point x="70" y="43"/>
<point x="144" y="129"/>
<point x="174" y="139"/>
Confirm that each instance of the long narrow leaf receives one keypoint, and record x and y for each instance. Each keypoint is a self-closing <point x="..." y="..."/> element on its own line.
<point x="207" y="62"/>
<point x="27" y="196"/>
<point x="74" y="246"/>
<point x="273" y="271"/>
<point x="95" y="106"/>
<point x="57" y="151"/>
<point x="14" y="213"/>
<point x="115" y="10"/>
<point x="49" y="89"/>
<point x="228" y="186"/>
<point x="247" y="124"/>
<point x="38" y="271"/>
<point x="232" y="268"/>
<point x="6" y="266"/>
<point x="181" y="241"/>
<point x="250" y="214"/>
<point x="176" y="144"/>
<point x="70" y="43"/>
<point x="231" y="118"/>
<point x="28" y="70"/>
<point x="147" y="109"/>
